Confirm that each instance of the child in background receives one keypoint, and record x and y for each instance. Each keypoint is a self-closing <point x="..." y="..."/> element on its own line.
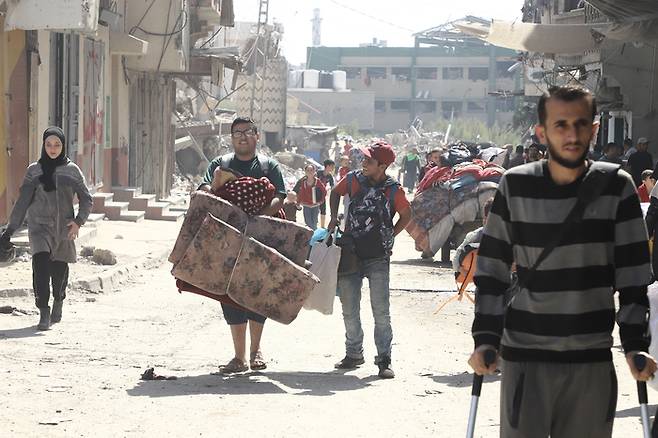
<point x="344" y="167"/>
<point x="645" y="188"/>
<point x="311" y="194"/>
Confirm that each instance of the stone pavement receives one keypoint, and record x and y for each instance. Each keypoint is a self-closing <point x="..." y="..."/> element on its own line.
<point x="140" y="245"/>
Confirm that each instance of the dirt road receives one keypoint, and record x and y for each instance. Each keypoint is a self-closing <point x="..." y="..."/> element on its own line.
<point x="82" y="378"/>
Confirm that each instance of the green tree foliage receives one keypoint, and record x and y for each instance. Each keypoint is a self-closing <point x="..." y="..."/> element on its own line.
<point x="474" y="130"/>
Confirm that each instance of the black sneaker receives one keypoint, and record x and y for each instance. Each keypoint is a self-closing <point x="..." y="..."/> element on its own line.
<point x="385" y="370"/>
<point x="349" y="363"/>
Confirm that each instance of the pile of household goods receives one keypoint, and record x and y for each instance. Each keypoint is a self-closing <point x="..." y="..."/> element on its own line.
<point x="252" y="262"/>
<point x="451" y="194"/>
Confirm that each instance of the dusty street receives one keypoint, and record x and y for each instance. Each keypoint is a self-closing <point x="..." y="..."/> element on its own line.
<point x="82" y="378"/>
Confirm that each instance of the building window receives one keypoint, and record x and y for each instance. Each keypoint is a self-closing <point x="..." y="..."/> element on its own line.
<point x="427" y="106"/>
<point x="400" y="105"/>
<point x="570" y="5"/>
<point x="427" y="73"/>
<point x="380" y="106"/>
<point x="505" y="105"/>
<point x="451" y="108"/>
<point x="453" y="73"/>
<point x="353" y="72"/>
<point x="476" y="107"/>
<point x="478" y="73"/>
<point x="502" y="68"/>
<point x="376" y="72"/>
<point x="402" y="74"/>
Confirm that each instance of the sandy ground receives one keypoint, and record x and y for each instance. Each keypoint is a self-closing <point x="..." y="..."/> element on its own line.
<point x="129" y="242"/>
<point x="82" y="378"/>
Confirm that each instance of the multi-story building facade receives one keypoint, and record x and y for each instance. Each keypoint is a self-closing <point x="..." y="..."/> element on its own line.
<point x="460" y="78"/>
<point x="620" y="68"/>
<point x="102" y="70"/>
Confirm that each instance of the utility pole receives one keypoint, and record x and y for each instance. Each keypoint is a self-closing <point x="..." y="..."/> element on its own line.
<point x="260" y="54"/>
<point x="317" y="33"/>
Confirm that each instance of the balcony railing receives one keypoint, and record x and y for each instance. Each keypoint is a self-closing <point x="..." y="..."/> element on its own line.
<point x="592" y="15"/>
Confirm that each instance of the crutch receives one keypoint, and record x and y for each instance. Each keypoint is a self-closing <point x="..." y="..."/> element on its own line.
<point x="489" y="358"/>
<point x="640" y="362"/>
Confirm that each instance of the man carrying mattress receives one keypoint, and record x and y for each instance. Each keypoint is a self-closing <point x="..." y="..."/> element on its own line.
<point x="248" y="163"/>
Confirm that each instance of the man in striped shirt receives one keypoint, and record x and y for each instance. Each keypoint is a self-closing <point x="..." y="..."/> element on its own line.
<point x="555" y="335"/>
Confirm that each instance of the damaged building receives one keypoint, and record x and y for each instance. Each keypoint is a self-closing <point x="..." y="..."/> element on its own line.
<point x="609" y="46"/>
<point x="104" y="71"/>
<point x="447" y="74"/>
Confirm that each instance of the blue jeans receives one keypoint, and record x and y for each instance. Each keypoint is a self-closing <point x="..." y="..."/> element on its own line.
<point x="377" y="271"/>
<point x="311" y="216"/>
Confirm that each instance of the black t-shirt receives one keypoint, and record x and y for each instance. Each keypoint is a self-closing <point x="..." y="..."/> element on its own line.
<point x="326" y="178"/>
<point x="639" y="162"/>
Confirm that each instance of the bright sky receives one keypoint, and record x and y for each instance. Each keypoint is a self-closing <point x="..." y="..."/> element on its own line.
<point x="351" y="22"/>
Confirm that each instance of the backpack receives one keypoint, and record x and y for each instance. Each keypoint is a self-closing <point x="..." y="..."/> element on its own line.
<point x="370" y="217"/>
<point x="263" y="162"/>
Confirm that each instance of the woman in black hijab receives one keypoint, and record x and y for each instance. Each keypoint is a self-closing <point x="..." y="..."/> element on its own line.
<point x="46" y="197"/>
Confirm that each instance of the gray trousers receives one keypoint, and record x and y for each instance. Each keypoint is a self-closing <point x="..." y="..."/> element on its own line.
<point x="560" y="400"/>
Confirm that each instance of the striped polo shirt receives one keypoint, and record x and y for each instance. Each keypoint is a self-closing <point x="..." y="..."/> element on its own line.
<point x="567" y="312"/>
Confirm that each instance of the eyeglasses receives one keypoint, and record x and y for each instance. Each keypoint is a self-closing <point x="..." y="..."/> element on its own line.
<point x="246" y="133"/>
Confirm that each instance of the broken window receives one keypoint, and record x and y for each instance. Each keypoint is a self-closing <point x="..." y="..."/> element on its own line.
<point x="400" y="105"/>
<point x="428" y="106"/>
<point x="380" y="106"/>
<point x="376" y="72"/>
<point x="570" y="5"/>
<point x="476" y="107"/>
<point x="451" y="109"/>
<point x="453" y="73"/>
<point x="478" y="73"/>
<point x="427" y="73"/>
<point x="401" y="73"/>
<point x="502" y="69"/>
<point x="352" y="72"/>
<point x="505" y="105"/>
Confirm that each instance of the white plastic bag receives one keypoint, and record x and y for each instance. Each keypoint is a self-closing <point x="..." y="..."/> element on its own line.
<point x="652" y="293"/>
<point x="325" y="257"/>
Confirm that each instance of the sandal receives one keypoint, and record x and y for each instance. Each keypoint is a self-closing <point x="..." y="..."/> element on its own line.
<point x="234" y="366"/>
<point x="256" y="361"/>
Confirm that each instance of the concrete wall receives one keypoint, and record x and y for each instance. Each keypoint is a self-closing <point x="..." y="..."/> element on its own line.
<point x="269" y="104"/>
<point x="120" y="134"/>
<point x="339" y="108"/>
<point x="635" y="72"/>
<point x="175" y="56"/>
<point x="43" y="95"/>
<point x="629" y="68"/>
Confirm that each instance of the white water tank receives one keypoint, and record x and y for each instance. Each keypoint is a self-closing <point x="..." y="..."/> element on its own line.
<point x="310" y="79"/>
<point x="295" y="79"/>
<point x="340" y="80"/>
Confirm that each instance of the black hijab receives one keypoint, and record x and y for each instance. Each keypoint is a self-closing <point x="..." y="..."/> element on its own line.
<point x="48" y="165"/>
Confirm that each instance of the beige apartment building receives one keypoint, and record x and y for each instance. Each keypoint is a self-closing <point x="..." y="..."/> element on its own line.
<point x="461" y="78"/>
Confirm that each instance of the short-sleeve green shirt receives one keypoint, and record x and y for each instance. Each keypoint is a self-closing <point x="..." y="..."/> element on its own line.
<point x="250" y="168"/>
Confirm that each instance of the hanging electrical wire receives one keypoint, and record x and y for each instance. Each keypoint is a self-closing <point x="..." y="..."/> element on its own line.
<point x="177" y="31"/>
<point x="143" y="17"/>
<point x="372" y="17"/>
<point x="211" y="38"/>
